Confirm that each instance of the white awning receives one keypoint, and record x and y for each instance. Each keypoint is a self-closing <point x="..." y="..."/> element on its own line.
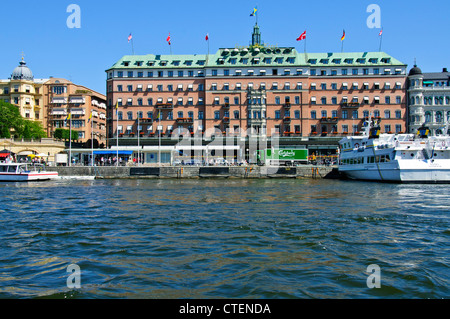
<point x="129" y="127"/>
<point x="313" y="99"/>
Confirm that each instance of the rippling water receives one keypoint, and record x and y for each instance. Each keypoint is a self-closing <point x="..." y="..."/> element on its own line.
<point x="224" y="239"/>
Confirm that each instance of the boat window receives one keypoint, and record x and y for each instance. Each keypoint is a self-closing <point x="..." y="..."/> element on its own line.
<point x="11" y="169"/>
<point x="3" y="168"/>
<point x="377" y="159"/>
<point x="388" y="158"/>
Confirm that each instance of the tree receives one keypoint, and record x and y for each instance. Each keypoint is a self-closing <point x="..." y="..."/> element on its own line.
<point x="63" y="134"/>
<point x="10" y="119"/>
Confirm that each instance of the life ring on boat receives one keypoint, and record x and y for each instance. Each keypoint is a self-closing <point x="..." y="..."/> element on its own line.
<point x="356" y="145"/>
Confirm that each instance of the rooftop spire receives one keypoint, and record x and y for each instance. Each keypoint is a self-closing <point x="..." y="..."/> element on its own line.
<point x="256" y="35"/>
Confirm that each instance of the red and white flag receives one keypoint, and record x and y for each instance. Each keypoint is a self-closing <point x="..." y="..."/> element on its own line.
<point x="302" y="36"/>
<point x="168" y="39"/>
<point x="130" y="37"/>
<point x="381" y="33"/>
<point x="207" y="37"/>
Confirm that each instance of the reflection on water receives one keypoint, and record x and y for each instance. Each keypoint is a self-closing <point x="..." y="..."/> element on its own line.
<point x="224" y="239"/>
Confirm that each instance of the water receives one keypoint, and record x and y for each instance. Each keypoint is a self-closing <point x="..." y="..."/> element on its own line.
<point x="224" y="239"/>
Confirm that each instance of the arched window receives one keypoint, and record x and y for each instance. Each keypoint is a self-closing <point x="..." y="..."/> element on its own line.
<point x="439" y="118"/>
<point x="427" y="117"/>
<point x="417" y="100"/>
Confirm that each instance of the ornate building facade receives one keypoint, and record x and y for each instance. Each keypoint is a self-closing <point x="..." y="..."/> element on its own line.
<point x="429" y="100"/>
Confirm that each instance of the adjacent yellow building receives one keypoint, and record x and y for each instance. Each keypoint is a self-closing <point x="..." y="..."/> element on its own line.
<point x="51" y="100"/>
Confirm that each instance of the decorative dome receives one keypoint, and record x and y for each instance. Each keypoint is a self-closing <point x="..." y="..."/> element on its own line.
<point x="415" y="71"/>
<point x="22" y="72"/>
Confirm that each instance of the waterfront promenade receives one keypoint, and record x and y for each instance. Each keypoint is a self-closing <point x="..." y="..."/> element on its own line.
<point x="105" y="172"/>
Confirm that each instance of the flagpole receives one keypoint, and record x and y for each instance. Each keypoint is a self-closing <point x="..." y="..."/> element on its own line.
<point x="139" y="143"/>
<point x="132" y="45"/>
<point x="92" y="141"/>
<point x="117" y="134"/>
<point x="381" y="39"/>
<point x="70" y="137"/>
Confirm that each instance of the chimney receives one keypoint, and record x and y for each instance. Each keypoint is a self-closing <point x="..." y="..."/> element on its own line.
<point x="444" y="70"/>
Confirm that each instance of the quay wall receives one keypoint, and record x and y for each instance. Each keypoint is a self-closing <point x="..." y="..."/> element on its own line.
<point x="105" y="172"/>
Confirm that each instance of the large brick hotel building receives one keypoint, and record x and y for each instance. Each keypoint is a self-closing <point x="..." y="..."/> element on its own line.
<point x="311" y="99"/>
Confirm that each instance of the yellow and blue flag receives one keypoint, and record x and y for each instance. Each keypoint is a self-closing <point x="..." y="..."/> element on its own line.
<point x="90" y="117"/>
<point x="67" y="119"/>
<point x="254" y="12"/>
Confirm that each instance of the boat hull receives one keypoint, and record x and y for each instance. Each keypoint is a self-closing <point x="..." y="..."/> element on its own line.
<point x="28" y="177"/>
<point x="403" y="173"/>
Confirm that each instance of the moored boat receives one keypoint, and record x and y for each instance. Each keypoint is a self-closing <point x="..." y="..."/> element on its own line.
<point x="25" y="172"/>
<point x="395" y="157"/>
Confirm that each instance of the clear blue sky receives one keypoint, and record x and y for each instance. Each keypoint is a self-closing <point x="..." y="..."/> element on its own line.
<point x="412" y="29"/>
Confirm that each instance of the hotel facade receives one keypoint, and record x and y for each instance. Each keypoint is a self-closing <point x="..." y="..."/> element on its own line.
<point x="309" y="99"/>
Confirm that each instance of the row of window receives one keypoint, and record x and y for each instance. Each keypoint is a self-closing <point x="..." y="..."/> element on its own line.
<point x="430" y="117"/>
<point x="259" y="101"/>
<point x="430" y="100"/>
<point x="355" y="99"/>
<point x="259" y="114"/>
<point x="261" y="72"/>
<point x="366" y="160"/>
<point x="262" y="86"/>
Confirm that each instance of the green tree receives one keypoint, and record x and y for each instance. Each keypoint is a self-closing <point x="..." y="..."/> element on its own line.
<point x="64" y="134"/>
<point x="10" y="120"/>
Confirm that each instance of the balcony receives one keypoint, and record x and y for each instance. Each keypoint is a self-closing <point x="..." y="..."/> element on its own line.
<point x="329" y="120"/>
<point x="226" y="106"/>
<point x="226" y="120"/>
<point x="287" y="120"/>
<point x="351" y="105"/>
<point x="188" y="120"/>
<point x="146" y="121"/>
<point x="164" y="106"/>
<point x="287" y="105"/>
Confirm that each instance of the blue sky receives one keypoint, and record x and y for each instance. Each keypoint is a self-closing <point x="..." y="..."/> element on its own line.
<point x="412" y="29"/>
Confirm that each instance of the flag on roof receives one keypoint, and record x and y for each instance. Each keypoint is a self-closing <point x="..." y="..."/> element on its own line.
<point x="168" y="39"/>
<point x="207" y="37"/>
<point x="381" y="33"/>
<point x="302" y="36"/>
<point x="343" y="36"/>
<point x="254" y="12"/>
<point x="130" y="37"/>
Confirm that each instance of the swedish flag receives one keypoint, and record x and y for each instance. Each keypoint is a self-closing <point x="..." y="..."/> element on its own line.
<point x="67" y="119"/>
<point x="254" y="12"/>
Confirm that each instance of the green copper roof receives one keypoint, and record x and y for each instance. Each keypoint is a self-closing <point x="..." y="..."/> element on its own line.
<point x="258" y="56"/>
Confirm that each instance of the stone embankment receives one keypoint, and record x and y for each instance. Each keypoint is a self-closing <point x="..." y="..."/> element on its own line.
<point x="104" y="172"/>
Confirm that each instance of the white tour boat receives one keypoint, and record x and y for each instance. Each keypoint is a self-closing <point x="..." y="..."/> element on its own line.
<point x="25" y="172"/>
<point x="396" y="157"/>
